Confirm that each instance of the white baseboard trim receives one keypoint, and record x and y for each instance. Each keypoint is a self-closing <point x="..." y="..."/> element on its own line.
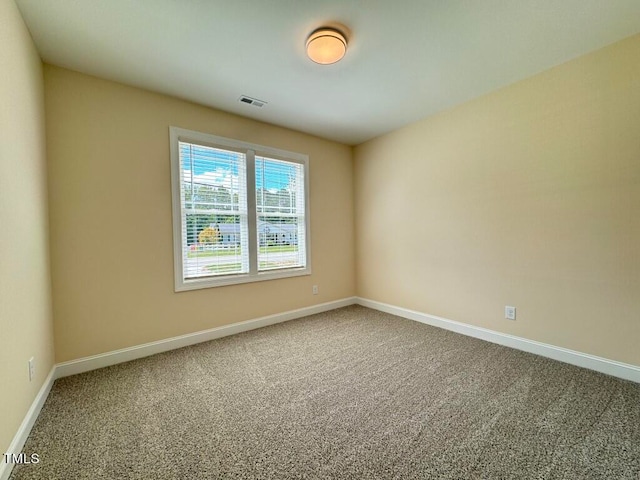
<point x="610" y="367"/>
<point x="603" y="365"/>
<point x="25" y="427"/>
<point x="94" y="362"/>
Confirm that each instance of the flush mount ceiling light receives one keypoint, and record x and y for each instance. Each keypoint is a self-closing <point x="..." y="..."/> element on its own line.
<point x="326" y="45"/>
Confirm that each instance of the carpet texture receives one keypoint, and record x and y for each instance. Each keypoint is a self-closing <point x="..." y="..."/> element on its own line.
<point x="352" y="393"/>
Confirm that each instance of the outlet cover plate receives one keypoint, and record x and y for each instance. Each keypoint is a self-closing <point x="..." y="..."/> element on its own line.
<point x="510" y="313"/>
<point x="32" y="369"/>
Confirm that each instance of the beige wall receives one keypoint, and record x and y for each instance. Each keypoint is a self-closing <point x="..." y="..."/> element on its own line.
<point x="529" y="196"/>
<point x="25" y="301"/>
<point x="111" y="231"/>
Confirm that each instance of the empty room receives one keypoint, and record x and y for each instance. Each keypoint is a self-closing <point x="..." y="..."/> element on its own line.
<point x="335" y="239"/>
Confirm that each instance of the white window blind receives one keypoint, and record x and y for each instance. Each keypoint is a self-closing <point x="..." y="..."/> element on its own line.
<point x="240" y="211"/>
<point x="280" y="203"/>
<point x="215" y="233"/>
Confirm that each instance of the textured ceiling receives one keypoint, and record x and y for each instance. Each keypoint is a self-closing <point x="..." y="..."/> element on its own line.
<point x="407" y="59"/>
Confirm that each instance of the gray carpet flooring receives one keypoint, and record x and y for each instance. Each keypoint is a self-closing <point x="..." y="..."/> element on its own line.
<point x="352" y="393"/>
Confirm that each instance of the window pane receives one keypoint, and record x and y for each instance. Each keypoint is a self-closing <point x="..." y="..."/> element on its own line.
<point x="214" y="211"/>
<point x="280" y="203"/>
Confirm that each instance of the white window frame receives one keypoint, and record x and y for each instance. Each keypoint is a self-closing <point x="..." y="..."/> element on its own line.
<point x="251" y="150"/>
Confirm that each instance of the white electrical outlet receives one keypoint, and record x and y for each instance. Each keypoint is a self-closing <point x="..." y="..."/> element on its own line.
<point x="510" y="313"/>
<point x="32" y="369"/>
<point x="314" y="290"/>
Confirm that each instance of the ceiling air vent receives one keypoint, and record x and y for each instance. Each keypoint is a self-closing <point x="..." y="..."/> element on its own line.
<point x="252" y="101"/>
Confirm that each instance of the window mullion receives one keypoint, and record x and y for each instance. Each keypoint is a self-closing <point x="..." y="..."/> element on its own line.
<point x="251" y="212"/>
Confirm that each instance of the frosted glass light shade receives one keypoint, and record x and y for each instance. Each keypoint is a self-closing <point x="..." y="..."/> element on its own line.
<point x="326" y="46"/>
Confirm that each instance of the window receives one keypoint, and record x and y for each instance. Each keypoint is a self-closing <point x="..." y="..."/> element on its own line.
<point x="240" y="211"/>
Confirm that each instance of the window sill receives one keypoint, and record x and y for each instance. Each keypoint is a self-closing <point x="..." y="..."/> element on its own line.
<point x="210" y="282"/>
